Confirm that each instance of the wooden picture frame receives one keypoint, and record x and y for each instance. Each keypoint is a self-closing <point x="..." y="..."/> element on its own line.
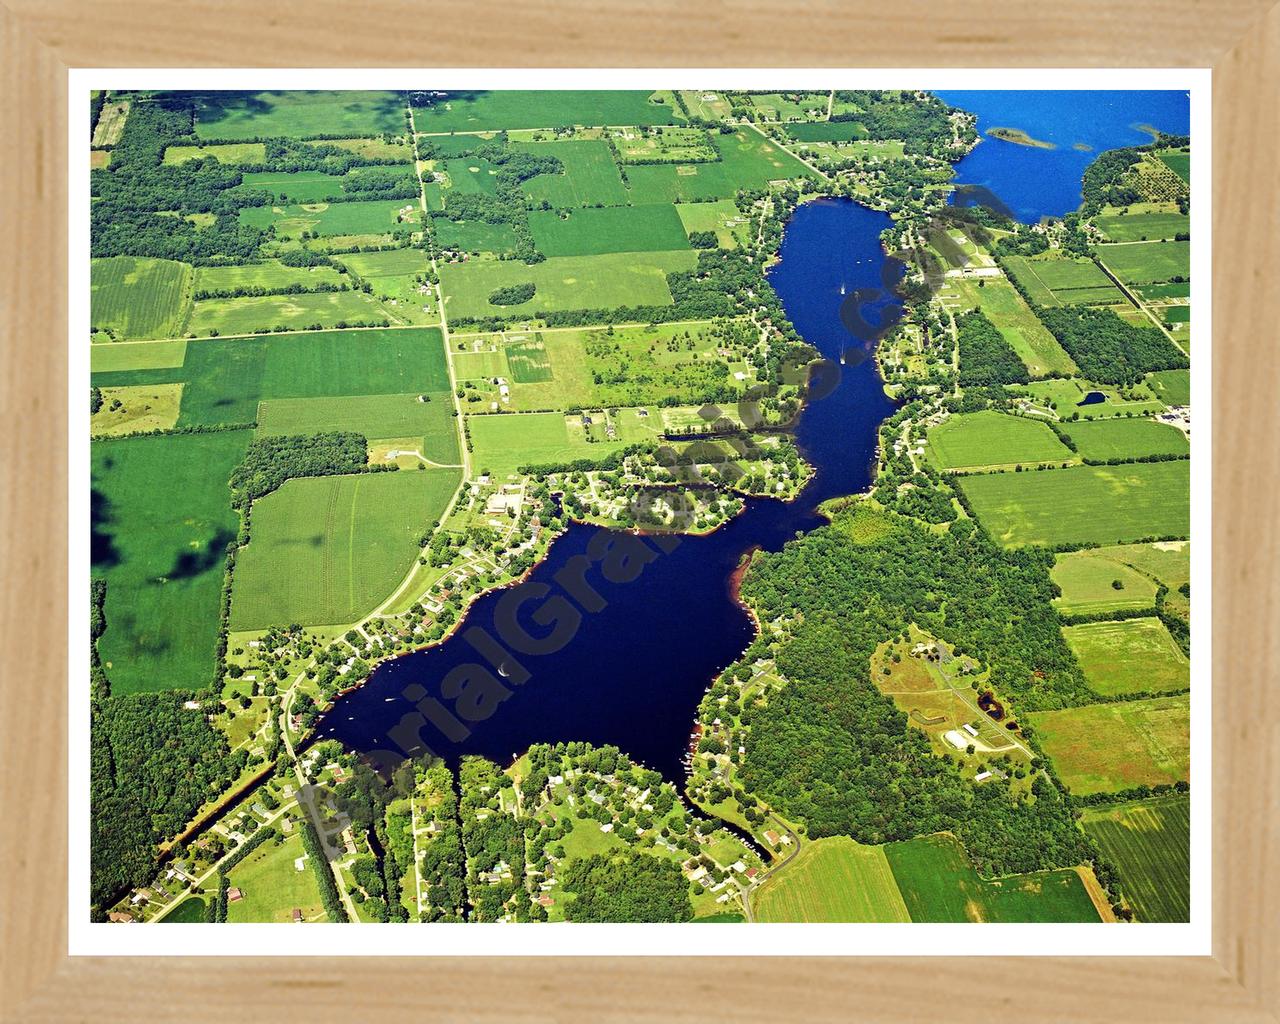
<point x="1239" y="39"/>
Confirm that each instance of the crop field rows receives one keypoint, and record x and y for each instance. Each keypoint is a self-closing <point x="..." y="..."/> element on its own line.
<point x="1149" y="842"/>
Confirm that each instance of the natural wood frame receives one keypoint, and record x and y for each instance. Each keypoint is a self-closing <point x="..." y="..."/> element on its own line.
<point x="1240" y="39"/>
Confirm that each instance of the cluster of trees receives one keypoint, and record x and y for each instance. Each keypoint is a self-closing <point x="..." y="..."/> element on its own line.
<point x="443" y="866"/>
<point x="986" y="358"/>
<point x="270" y="461"/>
<point x="489" y="841"/>
<point x="1106" y="348"/>
<point x="703" y="239"/>
<point x="626" y="887"/>
<point x="513" y="294"/>
<point x="329" y="897"/>
<point x="921" y="120"/>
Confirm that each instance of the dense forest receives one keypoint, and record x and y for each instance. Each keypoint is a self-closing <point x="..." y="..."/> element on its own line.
<point x="270" y="461"/>
<point x="985" y="357"/>
<point x="1108" y="349"/>
<point x="626" y="887"/>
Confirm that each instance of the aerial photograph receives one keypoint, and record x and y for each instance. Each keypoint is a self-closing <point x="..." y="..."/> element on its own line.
<point x="608" y="506"/>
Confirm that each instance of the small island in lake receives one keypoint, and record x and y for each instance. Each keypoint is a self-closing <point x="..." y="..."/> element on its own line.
<point x="1019" y="138"/>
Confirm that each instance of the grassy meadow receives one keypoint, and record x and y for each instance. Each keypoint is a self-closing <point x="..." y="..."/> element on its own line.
<point x="832" y="880"/>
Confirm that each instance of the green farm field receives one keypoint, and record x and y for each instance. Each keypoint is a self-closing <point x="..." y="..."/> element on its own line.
<point x="138" y="298"/>
<point x="273" y="886"/>
<point x="316" y="186"/>
<point x="241" y="115"/>
<point x="505" y="442"/>
<point x="365" y="217"/>
<point x="1179" y="163"/>
<point x="1060" y="281"/>
<point x="589" y="178"/>
<point x="1108" y="748"/>
<point x="1139" y="227"/>
<point x="226" y="378"/>
<point x="326" y="550"/>
<point x="1129" y="656"/>
<point x="608" y="229"/>
<point x="151" y="355"/>
<point x="987" y="439"/>
<point x="1147" y="262"/>
<point x="374" y="416"/>
<point x="189" y="911"/>
<point x="1027" y="336"/>
<point x="939" y="885"/>
<point x="1149" y="842"/>
<point x="722" y="216"/>
<point x="826" y="131"/>
<point x="481" y="111"/>
<point x="474" y="235"/>
<point x="389" y="263"/>
<point x="832" y="880"/>
<point x="258" y="314"/>
<point x="1173" y="387"/>
<point x="1126" y="439"/>
<point x="269" y="274"/>
<point x="607" y="281"/>
<point x="1084" y="504"/>
<point x="747" y="160"/>
<point x="161" y="519"/>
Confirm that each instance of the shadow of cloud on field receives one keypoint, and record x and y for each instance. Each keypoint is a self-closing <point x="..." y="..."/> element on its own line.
<point x="103" y="553"/>
<point x="195" y="562"/>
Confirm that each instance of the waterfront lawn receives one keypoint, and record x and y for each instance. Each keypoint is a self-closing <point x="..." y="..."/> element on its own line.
<point x="589" y="232"/>
<point x="1102" y="440"/>
<point x="160" y="520"/>
<point x="607" y="281"/>
<point x="326" y="550"/>
<point x="1130" y="656"/>
<point x="273" y="886"/>
<point x="488" y="111"/>
<point x="832" y="880"/>
<point x="374" y="416"/>
<point x="1083" y="504"/>
<point x="1086" y="579"/>
<point x="589" y="178"/>
<point x="939" y="885"/>
<point x="297" y="114"/>
<point x="503" y="443"/>
<point x="135" y="297"/>
<point x="1108" y="748"/>
<point x="1147" y="262"/>
<point x="989" y="439"/>
<point x="1149" y="842"/>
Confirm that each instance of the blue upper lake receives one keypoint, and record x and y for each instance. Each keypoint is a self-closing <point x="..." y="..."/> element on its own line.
<point x="1036" y="182"/>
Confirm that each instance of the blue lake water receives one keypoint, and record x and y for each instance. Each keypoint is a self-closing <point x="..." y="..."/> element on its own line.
<point x="634" y="670"/>
<point x="1035" y="182"/>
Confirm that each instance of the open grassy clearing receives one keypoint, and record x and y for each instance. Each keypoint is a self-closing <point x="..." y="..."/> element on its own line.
<point x="609" y="229"/>
<point x="390" y="263"/>
<point x="160" y="514"/>
<point x="474" y="236"/>
<point x="371" y="216"/>
<point x="1084" y="504"/>
<point x="110" y="124"/>
<point x="982" y="440"/>
<point x="315" y="186"/>
<point x="259" y="313"/>
<point x="1027" y="336"/>
<point x="152" y="355"/>
<point x="390" y="150"/>
<point x="1066" y="397"/>
<point x="1129" y="656"/>
<point x="273" y="886"/>
<point x="430" y="423"/>
<point x="607" y="281"/>
<point x="1149" y="842"/>
<point x="477" y="111"/>
<point x="1147" y="262"/>
<point x="1126" y="438"/>
<point x="832" y="880"/>
<point x="1107" y="748"/>
<point x="504" y="443"/>
<point x="826" y="131"/>
<point x="722" y="216"/>
<point x="1086" y="579"/>
<point x="224" y="153"/>
<point x="1173" y="387"/>
<point x="470" y="175"/>
<point x="747" y="160"/>
<point x="938" y="884"/>
<point x="590" y="176"/>
<point x="1178" y="162"/>
<point x="326" y="550"/>
<point x="136" y="298"/>
<point x="298" y="114"/>
<point x="128" y="410"/>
